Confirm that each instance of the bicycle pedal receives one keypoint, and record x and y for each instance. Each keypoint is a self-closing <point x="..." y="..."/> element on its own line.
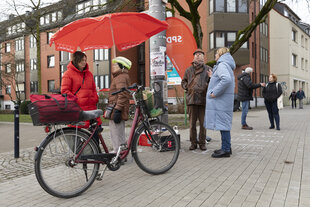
<point x="99" y="177"/>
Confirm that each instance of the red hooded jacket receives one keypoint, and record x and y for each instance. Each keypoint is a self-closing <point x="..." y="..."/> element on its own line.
<point x="87" y="96"/>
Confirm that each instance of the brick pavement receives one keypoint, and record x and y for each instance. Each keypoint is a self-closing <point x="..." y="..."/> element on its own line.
<point x="267" y="168"/>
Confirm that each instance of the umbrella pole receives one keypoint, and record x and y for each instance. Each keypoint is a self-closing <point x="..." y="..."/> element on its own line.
<point x="114" y="46"/>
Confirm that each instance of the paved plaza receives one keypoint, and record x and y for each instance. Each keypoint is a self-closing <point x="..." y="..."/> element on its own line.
<point x="267" y="168"/>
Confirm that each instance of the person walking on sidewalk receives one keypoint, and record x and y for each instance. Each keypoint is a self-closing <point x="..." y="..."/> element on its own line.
<point x="195" y="83"/>
<point x="271" y="93"/>
<point x="300" y="95"/>
<point x="245" y="91"/>
<point x="220" y="100"/>
<point x="293" y="97"/>
<point x="121" y="79"/>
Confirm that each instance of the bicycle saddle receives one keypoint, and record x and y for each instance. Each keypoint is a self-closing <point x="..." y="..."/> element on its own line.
<point x="88" y="115"/>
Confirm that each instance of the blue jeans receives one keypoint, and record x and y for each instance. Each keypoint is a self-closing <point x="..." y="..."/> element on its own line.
<point x="245" y="109"/>
<point x="226" y="145"/>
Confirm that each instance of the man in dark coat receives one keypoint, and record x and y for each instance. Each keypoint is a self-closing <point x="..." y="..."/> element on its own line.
<point x="195" y="83"/>
<point x="300" y="95"/>
<point x="245" y="91"/>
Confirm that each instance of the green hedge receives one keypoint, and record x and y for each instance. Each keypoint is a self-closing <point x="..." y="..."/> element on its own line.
<point x="24" y="107"/>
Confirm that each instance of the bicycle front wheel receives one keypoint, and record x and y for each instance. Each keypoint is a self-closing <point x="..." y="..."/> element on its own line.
<point x="155" y="148"/>
<point x="55" y="169"/>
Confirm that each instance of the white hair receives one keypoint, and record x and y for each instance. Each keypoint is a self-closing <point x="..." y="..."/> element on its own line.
<point x="248" y="70"/>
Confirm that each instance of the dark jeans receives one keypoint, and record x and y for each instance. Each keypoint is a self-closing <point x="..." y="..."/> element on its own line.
<point x="293" y="104"/>
<point x="273" y="112"/>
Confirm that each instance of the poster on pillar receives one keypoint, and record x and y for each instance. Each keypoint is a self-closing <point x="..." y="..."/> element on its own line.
<point x="181" y="45"/>
<point x="158" y="64"/>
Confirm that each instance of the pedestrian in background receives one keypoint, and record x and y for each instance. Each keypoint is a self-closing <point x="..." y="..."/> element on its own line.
<point x="245" y="92"/>
<point x="121" y="79"/>
<point x="300" y="95"/>
<point x="220" y="100"/>
<point x="195" y="83"/>
<point x="271" y="93"/>
<point x="293" y="97"/>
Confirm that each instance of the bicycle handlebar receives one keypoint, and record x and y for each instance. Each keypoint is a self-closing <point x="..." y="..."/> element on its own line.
<point x="134" y="87"/>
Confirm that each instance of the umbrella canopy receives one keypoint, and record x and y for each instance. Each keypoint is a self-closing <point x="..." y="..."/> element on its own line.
<point x="125" y="30"/>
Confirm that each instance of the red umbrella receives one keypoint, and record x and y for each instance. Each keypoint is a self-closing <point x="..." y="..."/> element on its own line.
<point x="125" y="30"/>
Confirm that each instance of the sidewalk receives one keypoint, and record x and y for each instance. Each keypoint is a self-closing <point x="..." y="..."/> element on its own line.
<point x="267" y="168"/>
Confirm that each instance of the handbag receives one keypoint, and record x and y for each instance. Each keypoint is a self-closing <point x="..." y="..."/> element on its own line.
<point x="108" y="111"/>
<point x="54" y="109"/>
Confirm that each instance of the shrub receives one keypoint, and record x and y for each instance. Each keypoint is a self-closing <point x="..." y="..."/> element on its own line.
<point x="24" y="107"/>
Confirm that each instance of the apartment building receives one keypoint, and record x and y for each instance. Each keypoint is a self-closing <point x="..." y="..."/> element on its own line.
<point x="289" y="50"/>
<point x="19" y="49"/>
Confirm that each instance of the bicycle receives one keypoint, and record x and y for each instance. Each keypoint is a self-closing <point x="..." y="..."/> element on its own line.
<point x="67" y="162"/>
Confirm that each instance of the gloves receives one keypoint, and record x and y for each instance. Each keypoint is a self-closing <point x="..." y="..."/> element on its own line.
<point x="117" y="116"/>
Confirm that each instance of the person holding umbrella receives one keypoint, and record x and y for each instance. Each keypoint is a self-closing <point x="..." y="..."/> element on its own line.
<point x="121" y="79"/>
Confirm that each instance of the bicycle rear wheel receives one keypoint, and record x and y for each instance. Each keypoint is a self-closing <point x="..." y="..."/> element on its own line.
<point x="160" y="153"/>
<point x="55" y="169"/>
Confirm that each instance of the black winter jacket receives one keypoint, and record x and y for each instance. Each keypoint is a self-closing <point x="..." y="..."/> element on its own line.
<point x="271" y="93"/>
<point x="245" y="87"/>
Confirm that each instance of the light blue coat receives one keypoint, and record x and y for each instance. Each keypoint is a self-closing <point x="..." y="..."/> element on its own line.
<point x="219" y="110"/>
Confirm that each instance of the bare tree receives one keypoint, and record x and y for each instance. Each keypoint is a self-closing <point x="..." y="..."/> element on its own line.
<point x="194" y="17"/>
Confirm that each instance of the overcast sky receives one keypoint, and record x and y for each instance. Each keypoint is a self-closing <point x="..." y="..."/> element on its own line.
<point x="301" y="8"/>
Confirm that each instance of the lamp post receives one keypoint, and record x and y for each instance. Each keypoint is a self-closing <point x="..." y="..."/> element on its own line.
<point x="157" y="9"/>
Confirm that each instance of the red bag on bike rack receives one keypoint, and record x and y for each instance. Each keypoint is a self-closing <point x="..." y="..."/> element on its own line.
<point x="53" y="109"/>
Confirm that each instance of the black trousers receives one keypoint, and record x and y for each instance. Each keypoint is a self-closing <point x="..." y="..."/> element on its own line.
<point x="293" y="103"/>
<point x="273" y="112"/>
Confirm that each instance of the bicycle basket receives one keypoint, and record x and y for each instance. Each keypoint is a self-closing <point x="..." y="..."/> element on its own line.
<point x="147" y="98"/>
<point x="49" y="111"/>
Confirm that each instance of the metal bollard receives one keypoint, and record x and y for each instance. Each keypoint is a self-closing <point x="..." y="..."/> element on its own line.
<point x="16" y="131"/>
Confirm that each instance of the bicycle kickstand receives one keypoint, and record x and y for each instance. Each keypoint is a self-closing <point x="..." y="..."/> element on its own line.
<point x="100" y="175"/>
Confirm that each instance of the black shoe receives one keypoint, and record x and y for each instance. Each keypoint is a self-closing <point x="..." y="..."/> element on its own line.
<point x="271" y="127"/>
<point x="208" y="139"/>
<point x="221" y="154"/>
<point x="278" y="128"/>
<point x="219" y="150"/>
<point x="193" y="147"/>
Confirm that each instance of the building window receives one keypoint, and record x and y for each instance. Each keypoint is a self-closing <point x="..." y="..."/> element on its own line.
<point x="306" y="65"/>
<point x="263" y="54"/>
<point x="239" y="6"/>
<point x="47" y="19"/>
<point x="20" y="88"/>
<point x="7" y="107"/>
<point x="231" y="5"/>
<point x="106" y="81"/>
<point x="49" y="36"/>
<point x="242" y="6"/>
<point x="64" y="56"/>
<point x="51" y="85"/>
<point x="63" y="69"/>
<point x="294" y="33"/>
<point x="294" y="60"/>
<point x="19" y="44"/>
<point x="263" y="27"/>
<point x="302" y="63"/>
<point x="33" y="64"/>
<point x="211" y="43"/>
<point x="223" y="39"/>
<point x="8" y="68"/>
<point x="32" y="41"/>
<point x="211" y="9"/>
<point x="34" y="87"/>
<point x="90" y="6"/>
<point x="101" y="54"/>
<point x="20" y="66"/>
<point x="7" y="47"/>
<point x="8" y="89"/>
<point x="306" y="43"/>
<point x="51" y="61"/>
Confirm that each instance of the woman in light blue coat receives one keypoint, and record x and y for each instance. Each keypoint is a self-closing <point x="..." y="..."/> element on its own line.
<point x="220" y="100"/>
